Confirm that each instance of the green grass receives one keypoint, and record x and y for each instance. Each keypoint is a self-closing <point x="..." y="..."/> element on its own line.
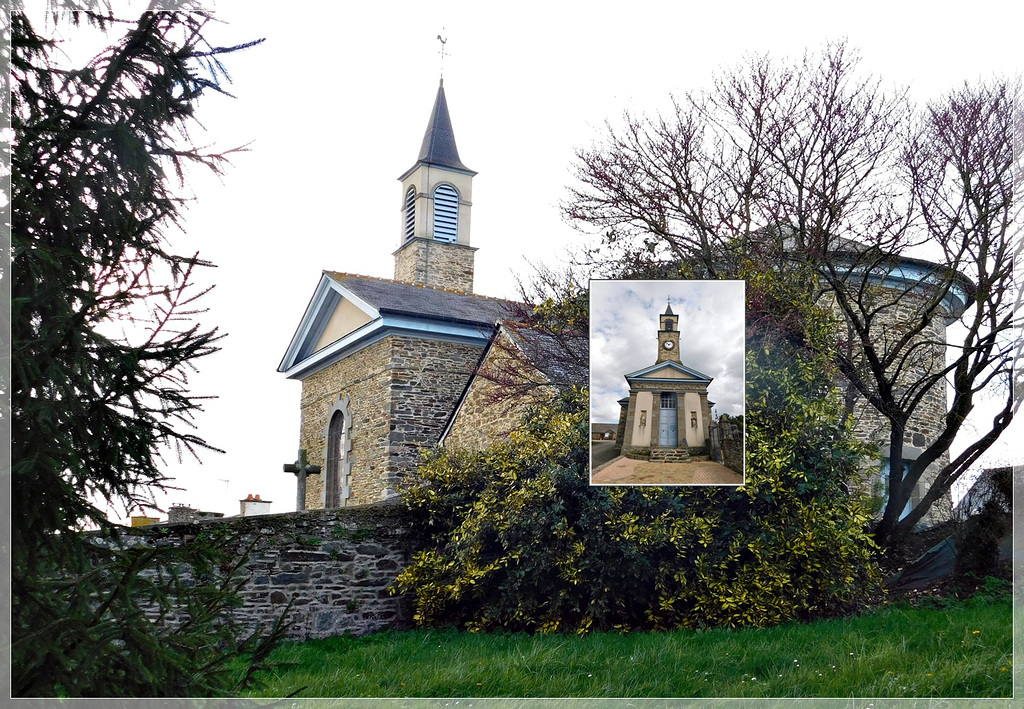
<point x="895" y="651"/>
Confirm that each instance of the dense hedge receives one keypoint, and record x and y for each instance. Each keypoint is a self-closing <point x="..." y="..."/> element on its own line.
<point x="515" y="537"/>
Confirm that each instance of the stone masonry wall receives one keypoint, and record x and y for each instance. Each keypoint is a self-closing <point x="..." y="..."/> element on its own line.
<point x="401" y="391"/>
<point x="929" y="418"/>
<point x="435" y="263"/>
<point x="489" y="412"/>
<point x="620" y="430"/>
<point x="627" y="428"/>
<point x="732" y="446"/>
<point x="428" y="377"/>
<point x="365" y="377"/>
<point x="335" y="566"/>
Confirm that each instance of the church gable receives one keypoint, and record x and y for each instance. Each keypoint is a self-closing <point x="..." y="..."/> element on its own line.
<point x="669" y="373"/>
<point x="346" y="318"/>
<point x="350" y="312"/>
<point x="333" y="313"/>
<point x="668" y="370"/>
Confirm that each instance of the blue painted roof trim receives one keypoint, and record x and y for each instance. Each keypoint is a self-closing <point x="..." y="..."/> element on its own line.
<point x="910" y="274"/>
<point x="377" y="330"/>
<point x="659" y="380"/>
<point x="698" y="377"/>
<point x="321" y="306"/>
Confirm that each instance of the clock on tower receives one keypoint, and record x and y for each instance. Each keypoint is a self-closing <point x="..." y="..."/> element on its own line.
<point x="668" y="336"/>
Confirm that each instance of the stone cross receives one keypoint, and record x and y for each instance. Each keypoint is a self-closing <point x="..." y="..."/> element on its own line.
<point x="301" y="468"/>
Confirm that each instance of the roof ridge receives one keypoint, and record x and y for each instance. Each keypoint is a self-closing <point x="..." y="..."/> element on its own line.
<point x="454" y="291"/>
<point x="442" y="289"/>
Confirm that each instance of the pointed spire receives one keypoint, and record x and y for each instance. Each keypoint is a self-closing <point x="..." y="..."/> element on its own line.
<point x="668" y="310"/>
<point x="439" y="140"/>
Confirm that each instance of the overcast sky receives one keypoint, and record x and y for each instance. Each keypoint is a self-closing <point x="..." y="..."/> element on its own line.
<point x="333" y="107"/>
<point x="624" y="338"/>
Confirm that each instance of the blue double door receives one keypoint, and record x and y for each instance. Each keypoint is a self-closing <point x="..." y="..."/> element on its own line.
<point x="668" y="427"/>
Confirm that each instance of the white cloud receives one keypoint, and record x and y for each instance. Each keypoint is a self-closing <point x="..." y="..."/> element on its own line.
<point x="624" y="337"/>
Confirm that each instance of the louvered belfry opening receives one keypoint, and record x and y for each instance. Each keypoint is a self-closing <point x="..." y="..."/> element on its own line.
<point x="446" y="213"/>
<point x="437" y="200"/>
<point x="410" y="213"/>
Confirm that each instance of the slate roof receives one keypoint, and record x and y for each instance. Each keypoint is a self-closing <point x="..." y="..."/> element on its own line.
<point x="438" y="146"/>
<point x="560" y="359"/>
<point x="398" y="297"/>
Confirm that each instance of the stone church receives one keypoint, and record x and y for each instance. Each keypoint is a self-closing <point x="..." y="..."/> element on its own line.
<point x="667" y="409"/>
<point x="390" y="367"/>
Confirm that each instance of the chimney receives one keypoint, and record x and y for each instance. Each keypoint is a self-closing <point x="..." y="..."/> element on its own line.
<point x="252" y="506"/>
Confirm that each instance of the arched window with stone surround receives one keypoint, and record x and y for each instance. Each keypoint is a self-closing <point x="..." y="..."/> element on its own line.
<point x="410" y="213"/>
<point x="335" y="490"/>
<point x="668" y="326"/>
<point x="335" y="456"/>
<point x="446" y="213"/>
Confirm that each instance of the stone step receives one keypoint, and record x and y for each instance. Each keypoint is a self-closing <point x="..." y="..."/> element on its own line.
<point x="670" y="455"/>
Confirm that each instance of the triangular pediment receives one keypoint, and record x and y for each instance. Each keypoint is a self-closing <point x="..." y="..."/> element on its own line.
<point x="333" y="313"/>
<point x="346" y="318"/>
<point x="349" y="312"/>
<point x="668" y="371"/>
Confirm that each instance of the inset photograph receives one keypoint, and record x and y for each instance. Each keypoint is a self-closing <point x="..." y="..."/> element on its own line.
<point x="666" y="382"/>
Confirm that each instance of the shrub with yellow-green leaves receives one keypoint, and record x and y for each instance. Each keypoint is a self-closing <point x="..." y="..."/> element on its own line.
<point x="515" y="537"/>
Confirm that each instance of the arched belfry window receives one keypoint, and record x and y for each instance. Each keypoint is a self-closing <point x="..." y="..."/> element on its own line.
<point x="446" y="213"/>
<point x="668" y="326"/>
<point x="336" y="488"/>
<point x="410" y="213"/>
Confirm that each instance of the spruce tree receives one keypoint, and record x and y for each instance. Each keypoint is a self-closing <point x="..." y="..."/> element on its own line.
<point x="103" y="338"/>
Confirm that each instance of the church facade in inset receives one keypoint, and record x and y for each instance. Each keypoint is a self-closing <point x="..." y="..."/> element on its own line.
<point x="390" y="367"/>
<point x="667" y="409"/>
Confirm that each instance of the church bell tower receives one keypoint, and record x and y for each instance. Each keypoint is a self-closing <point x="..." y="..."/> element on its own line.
<point x="668" y="337"/>
<point x="437" y="194"/>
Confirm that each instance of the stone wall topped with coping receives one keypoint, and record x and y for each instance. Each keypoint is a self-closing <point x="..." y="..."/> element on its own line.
<point x="335" y="567"/>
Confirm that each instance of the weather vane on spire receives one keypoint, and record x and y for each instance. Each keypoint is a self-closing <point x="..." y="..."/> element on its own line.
<point x="442" y="40"/>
